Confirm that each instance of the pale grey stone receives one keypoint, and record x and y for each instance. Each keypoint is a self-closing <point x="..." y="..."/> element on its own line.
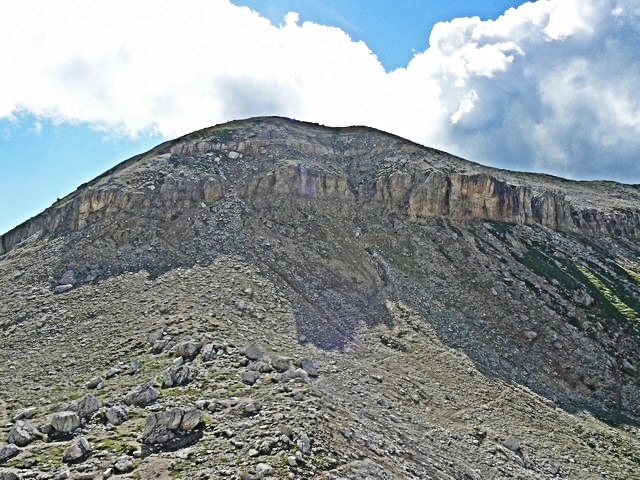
<point x="65" y="422"/>
<point x="142" y="395"/>
<point x="8" y="451"/>
<point x="88" y="406"/>
<point x="124" y="464"/>
<point x="21" y="433"/>
<point x="77" y="452"/>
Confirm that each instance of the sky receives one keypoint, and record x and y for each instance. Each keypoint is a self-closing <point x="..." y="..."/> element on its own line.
<point x="547" y="86"/>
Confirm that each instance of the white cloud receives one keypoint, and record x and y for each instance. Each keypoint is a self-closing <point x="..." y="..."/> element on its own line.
<point x="551" y="85"/>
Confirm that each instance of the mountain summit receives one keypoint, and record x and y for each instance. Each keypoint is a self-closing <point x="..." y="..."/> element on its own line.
<point x="270" y="298"/>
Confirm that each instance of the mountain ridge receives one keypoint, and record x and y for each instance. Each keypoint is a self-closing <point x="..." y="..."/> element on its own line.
<point x="562" y="214"/>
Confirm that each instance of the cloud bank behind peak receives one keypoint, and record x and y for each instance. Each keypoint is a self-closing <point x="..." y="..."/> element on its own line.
<point x="550" y="86"/>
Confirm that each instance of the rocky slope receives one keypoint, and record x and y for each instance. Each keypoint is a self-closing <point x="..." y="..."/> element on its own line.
<point x="277" y="299"/>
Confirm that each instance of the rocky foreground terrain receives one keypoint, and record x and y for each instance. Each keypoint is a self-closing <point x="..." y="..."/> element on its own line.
<point x="277" y="299"/>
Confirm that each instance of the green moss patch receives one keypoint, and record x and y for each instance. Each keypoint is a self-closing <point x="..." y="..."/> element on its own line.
<point x="545" y="265"/>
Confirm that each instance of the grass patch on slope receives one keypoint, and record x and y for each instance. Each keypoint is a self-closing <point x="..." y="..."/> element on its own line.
<point x="622" y="308"/>
<point x="632" y="270"/>
<point x="614" y="300"/>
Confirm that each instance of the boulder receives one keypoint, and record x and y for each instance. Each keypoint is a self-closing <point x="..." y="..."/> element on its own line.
<point x="304" y="444"/>
<point x="65" y="422"/>
<point x="160" y="427"/>
<point x="95" y="382"/>
<point x="260" y="367"/>
<point x="21" y="434"/>
<point x="24" y="414"/>
<point x="112" y="372"/>
<point x="292" y="374"/>
<point x="251" y="408"/>
<point x="8" y="451"/>
<point x="308" y="365"/>
<point x="77" y="452"/>
<point x="88" y="406"/>
<point x="68" y="277"/>
<point x="163" y="427"/>
<point x="158" y="346"/>
<point x="281" y="364"/>
<point x="191" y="419"/>
<point x="512" y="443"/>
<point x="208" y="352"/>
<point x="252" y="352"/>
<point x="299" y="374"/>
<point x="153" y="337"/>
<point x="62" y="288"/>
<point x="250" y="377"/>
<point x="116" y="414"/>
<point x="264" y="470"/>
<point x="187" y="350"/>
<point x="123" y="464"/>
<point x="176" y="375"/>
<point x="136" y="364"/>
<point x="142" y="395"/>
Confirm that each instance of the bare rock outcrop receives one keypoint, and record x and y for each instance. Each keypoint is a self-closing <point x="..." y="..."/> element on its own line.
<point x="350" y="168"/>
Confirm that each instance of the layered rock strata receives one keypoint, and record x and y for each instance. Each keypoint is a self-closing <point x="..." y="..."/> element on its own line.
<point x="334" y="164"/>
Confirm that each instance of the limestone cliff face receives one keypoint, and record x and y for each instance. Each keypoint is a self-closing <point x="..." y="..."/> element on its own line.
<point x="173" y="197"/>
<point x="483" y="196"/>
<point x="264" y="160"/>
<point x="300" y="181"/>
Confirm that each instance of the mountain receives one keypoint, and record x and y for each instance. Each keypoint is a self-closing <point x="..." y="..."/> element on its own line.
<point x="270" y="298"/>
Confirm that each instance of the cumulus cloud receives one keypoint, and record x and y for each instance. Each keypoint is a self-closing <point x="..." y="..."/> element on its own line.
<point x="562" y="98"/>
<point x="550" y="86"/>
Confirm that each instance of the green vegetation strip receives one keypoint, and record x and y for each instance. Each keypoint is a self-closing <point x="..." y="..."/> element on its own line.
<point x="632" y="270"/>
<point x="622" y="307"/>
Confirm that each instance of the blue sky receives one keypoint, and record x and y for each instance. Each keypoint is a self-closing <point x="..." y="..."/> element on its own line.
<point x="394" y="31"/>
<point x="529" y="88"/>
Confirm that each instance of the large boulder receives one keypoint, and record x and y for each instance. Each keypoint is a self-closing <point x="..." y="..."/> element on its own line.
<point x="176" y="375"/>
<point x="163" y="427"/>
<point x="252" y="352"/>
<point x="65" y="422"/>
<point x="142" y="395"/>
<point x="8" y="451"/>
<point x="88" y="406"/>
<point x="77" y="452"/>
<point x="187" y="350"/>
<point x="21" y="434"/>
<point x="116" y="414"/>
<point x="281" y="364"/>
<point x="124" y="464"/>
